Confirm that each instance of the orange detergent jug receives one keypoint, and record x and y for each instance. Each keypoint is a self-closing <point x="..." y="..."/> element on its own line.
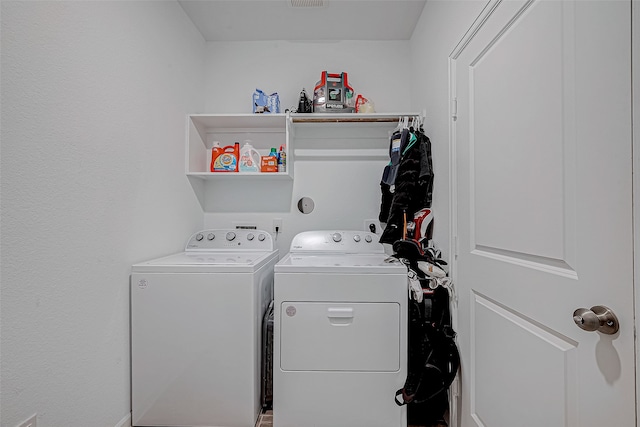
<point x="227" y="159"/>
<point x="216" y="150"/>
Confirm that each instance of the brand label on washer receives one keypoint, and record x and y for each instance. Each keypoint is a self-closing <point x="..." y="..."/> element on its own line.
<point x="291" y="311"/>
<point x="142" y="283"/>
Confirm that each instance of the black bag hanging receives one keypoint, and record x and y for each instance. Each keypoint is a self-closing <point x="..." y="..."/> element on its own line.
<point x="433" y="355"/>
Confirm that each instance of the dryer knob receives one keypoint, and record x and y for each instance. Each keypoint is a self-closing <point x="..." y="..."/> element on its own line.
<point x="250" y="236"/>
<point x="231" y="235"/>
<point x="356" y="238"/>
<point x="199" y="237"/>
<point x="211" y="236"/>
<point x="261" y="237"/>
<point x="368" y="238"/>
<point x="337" y="237"/>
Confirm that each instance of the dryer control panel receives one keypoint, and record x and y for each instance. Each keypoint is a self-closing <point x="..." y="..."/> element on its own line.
<point x="343" y="241"/>
<point x="229" y="239"/>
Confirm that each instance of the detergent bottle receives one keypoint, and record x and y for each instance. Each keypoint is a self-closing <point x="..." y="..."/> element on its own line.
<point x="215" y="152"/>
<point x="249" y="158"/>
<point x="227" y="160"/>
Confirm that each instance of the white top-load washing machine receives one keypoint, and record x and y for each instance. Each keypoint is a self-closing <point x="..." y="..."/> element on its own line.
<point x="196" y="323"/>
<point x="340" y="333"/>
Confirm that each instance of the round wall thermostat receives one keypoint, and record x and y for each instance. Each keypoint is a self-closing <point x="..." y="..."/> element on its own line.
<point x="306" y="205"/>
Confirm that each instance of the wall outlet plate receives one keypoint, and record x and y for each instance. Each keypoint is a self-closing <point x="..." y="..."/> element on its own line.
<point x="277" y="223"/>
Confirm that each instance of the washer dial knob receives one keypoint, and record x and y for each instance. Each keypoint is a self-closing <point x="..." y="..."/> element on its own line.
<point x="199" y="237"/>
<point x="261" y="237"/>
<point x="337" y="237"/>
<point x="250" y="236"/>
<point x="368" y="238"/>
<point x="356" y="238"/>
<point x="231" y="235"/>
<point x="211" y="236"/>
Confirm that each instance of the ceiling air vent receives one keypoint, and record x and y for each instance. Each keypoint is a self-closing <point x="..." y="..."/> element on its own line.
<point x="308" y="3"/>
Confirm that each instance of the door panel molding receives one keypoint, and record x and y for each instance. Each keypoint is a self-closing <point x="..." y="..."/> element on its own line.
<point x="548" y="265"/>
<point x="499" y="363"/>
<point x="506" y="216"/>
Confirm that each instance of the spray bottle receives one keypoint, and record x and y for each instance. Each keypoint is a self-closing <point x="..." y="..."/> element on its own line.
<point x="282" y="160"/>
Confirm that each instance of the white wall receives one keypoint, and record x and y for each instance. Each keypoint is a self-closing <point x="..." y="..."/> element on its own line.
<point x="94" y="97"/>
<point x="345" y="192"/>
<point x="441" y="26"/>
<point x="379" y="70"/>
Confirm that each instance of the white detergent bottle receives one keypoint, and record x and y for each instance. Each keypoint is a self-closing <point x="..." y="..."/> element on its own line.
<point x="249" y="158"/>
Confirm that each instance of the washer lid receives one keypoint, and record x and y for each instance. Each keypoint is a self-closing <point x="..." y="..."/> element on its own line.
<point x="207" y="262"/>
<point x="340" y="263"/>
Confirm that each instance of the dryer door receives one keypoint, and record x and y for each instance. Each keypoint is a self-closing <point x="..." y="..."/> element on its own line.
<point x="330" y="336"/>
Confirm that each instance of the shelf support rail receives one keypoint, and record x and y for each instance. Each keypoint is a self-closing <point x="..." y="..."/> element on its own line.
<point x="349" y="118"/>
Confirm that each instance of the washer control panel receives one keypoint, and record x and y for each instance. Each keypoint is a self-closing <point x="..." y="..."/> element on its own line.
<point x="346" y="241"/>
<point x="215" y="239"/>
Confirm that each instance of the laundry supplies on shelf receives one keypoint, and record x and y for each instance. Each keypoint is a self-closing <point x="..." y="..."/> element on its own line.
<point x="304" y="103"/>
<point x="332" y="94"/>
<point x="282" y="160"/>
<point x="227" y="160"/>
<point x="269" y="163"/>
<point x="265" y="104"/>
<point x="216" y="150"/>
<point x="249" y="158"/>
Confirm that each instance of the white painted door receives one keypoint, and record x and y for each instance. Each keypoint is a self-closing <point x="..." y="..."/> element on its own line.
<point x="542" y="191"/>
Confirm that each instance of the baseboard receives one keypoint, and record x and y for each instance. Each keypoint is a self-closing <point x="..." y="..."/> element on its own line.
<point x="125" y="422"/>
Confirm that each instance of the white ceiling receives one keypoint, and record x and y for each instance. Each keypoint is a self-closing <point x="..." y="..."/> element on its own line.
<point x="252" y="20"/>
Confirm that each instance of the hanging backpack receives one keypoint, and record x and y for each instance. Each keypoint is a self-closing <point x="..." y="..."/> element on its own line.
<point x="433" y="358"/>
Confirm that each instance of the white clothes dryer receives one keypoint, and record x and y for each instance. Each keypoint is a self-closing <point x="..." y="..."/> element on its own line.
<point x="340" y="333"/>
<point x="196" y="323"/>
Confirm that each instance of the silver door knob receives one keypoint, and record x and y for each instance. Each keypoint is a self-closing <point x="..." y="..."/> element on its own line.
<point x="599" y="318"/>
